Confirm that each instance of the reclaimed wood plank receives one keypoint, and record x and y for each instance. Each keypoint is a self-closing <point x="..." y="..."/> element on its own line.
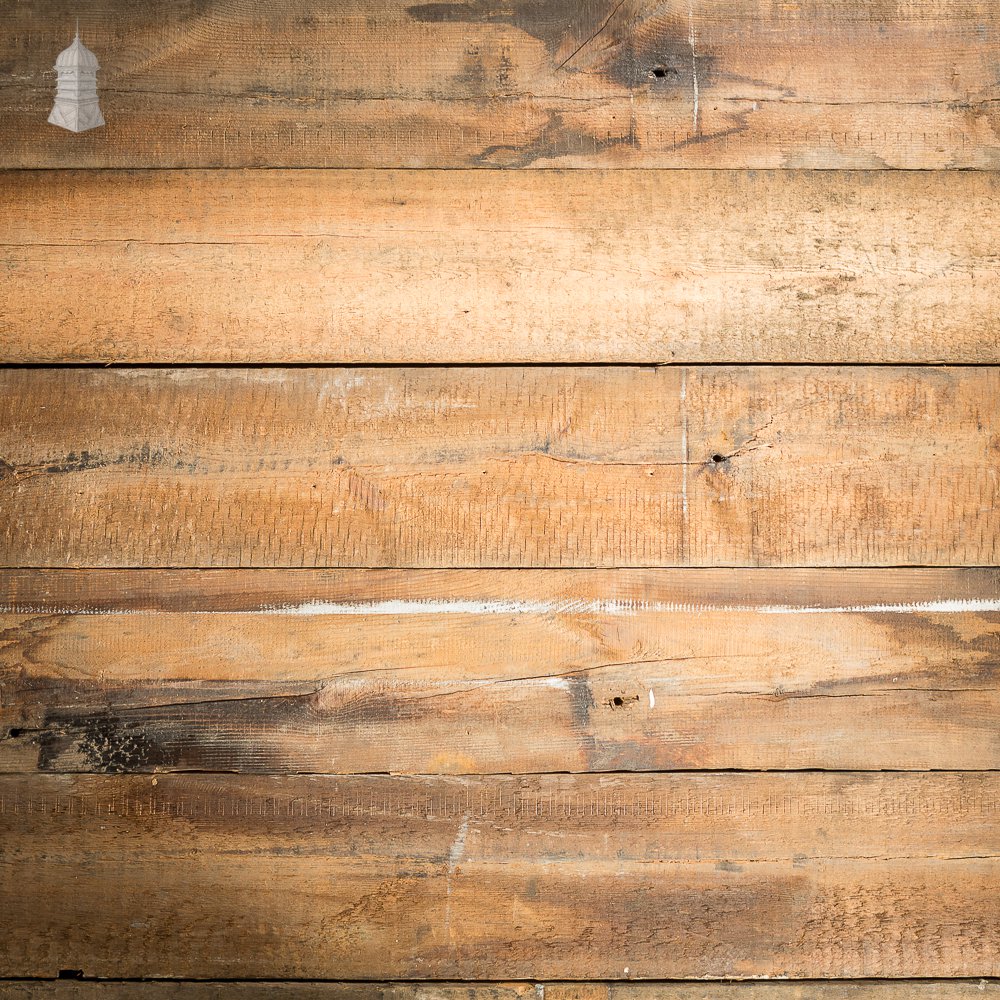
<point x="498" y="671"/>
<point x="446" y="267"/>
<point x="321" y="991"/>
<point x="710" y="83"/>
<point x="866" y="990"/>
<point x="610" y="877"/>
<point x="339" y="991"/>
<point x="515" y="467"/>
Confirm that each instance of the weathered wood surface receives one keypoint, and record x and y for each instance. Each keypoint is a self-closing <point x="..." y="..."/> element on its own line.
<point x="445" y="266"/>
<point x="657" y="876"/>
<point x="514" y="467"/>
<point x="498" y="671"/>
<point x="866" y="990"/>
<point x="710" y="83"/>
<point x="74" y="990"/>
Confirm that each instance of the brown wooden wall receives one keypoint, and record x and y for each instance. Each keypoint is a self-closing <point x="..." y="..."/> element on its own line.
<point x="423" y="578"/>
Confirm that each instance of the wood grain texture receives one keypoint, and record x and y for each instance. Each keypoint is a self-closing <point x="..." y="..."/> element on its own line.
<point x="711" y="83"/>
<point x="513" y="467"/>
<point x="715" y="875"/>
<point x="866" y="990"/>
<point x="542" y="266"/>
<point x="498" y="671"/>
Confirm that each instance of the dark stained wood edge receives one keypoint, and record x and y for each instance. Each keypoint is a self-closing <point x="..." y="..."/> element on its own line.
<point x="911" y="989"/>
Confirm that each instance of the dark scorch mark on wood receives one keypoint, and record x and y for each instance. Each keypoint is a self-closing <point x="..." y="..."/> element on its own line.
<point x="220" y="734"/>
<point x="606" y="38"/>
<point x="105" y="743"/>
<point x="555" y="137"/>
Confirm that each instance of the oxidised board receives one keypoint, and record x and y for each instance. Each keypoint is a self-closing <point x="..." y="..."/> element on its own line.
<point x="682" y="876"/>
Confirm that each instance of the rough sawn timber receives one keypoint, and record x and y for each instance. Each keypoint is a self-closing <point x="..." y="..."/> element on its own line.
<point x="485" y="83"/>
<point x="465" y="671"/>
<point x="844" y="990"/>
<point x="802" y="875"/>
<point x="530" y="266"/>
<point x="505" y="467"/>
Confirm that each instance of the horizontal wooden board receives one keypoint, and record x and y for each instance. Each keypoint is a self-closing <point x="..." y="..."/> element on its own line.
<point x="460" y="83"/>
<point x="544" y="266"/>
<point x="546" y="877"/>
<point x="866" y="990"/>
<point x="514" y="467"/>
<point x="455" y="671"/>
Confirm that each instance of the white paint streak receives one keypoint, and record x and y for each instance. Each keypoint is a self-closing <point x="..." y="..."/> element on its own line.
<point x="572" y="606"/>
<point x="939" y="607"/>
<point x="620" y="607"/>
<point x="652" y="700"/>
<point x="557" y="682"/>
<point x="694" y="68"/>
<point x="336" y="388"/>
<point x="457" y="851"/>
<point x="455" y="855"/>
<point x="459" y="607"/>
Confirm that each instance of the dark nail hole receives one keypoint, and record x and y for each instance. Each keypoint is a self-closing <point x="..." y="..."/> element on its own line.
<point x="659" y="72"/>
<point x="71" y="973"/>
<point x="718" y="458"/>
<point x="617" y="702"/>
<point x="15" y="733"/>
